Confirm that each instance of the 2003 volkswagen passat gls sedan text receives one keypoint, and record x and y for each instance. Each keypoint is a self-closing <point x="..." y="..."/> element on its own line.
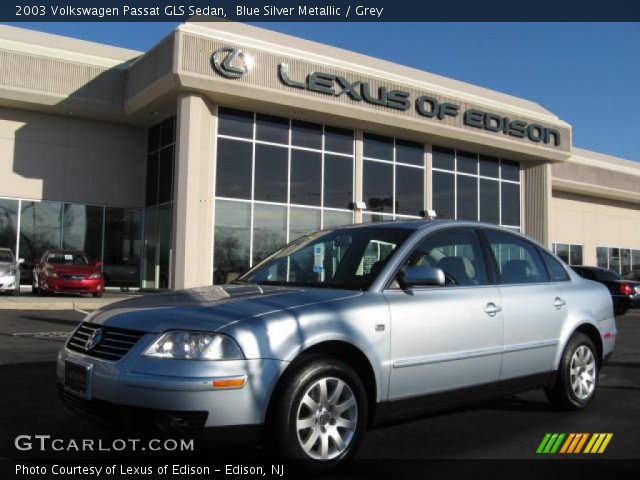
<point x="345" y="329"/>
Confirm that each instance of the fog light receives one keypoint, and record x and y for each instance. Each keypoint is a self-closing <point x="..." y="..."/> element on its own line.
<point x="229" y="383"/>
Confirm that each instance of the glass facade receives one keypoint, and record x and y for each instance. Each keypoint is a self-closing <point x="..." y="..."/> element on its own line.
<point x="469" y="186"/>
<point x="276" y="180"/>
<point x="621" y="260"/>
<point x="111" y="235"/>
<point x="159" y="204"/>
<point x="569" y="253"/>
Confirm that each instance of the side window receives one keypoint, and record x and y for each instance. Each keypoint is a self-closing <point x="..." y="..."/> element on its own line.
<point x="518" y="260"/>
<point x="457" y="252"/>
<point x="557" y="271"/>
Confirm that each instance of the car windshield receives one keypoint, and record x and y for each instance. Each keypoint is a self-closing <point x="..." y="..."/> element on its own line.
<point x="608" y="275"/>
<point x="349" y="258"/>
<point x="6" y="256"/>
<point x="67" y="259"/>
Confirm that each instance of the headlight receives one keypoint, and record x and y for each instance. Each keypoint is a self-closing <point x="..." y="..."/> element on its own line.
<point x="194" y="346"/>
<point x="6" y="272"/>
<point x="95" y="275"/>
<point x="50" y="273"/>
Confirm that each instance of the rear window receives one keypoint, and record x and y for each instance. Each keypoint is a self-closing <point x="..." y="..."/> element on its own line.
<point x="608" y="275"/>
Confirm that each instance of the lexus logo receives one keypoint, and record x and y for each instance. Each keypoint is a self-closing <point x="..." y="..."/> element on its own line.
<point x="94" y="339"/>
<point x="231" y="62"/>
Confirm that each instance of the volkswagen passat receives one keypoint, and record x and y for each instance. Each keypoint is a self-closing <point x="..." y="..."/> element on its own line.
<point x="346" y="329"/>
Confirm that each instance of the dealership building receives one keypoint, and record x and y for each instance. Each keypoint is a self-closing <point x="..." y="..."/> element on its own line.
<point x="184" y="165"/>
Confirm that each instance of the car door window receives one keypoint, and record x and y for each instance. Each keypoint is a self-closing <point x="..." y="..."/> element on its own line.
<point x="518" y="260"/>
<point x="556" y="270"/>
<point x="457" y="252"/>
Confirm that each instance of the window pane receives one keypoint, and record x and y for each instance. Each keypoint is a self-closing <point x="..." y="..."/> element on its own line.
<point x="153" y="138"/>
<point x="603" y="257"/>
<point x="467" y="198"/>
<point x="510" y="204"/>
<point x="306" y="175"/>
<point x="489" y="201"/>
<point x="39" y="230"/>
<point x="489" y="166"/>
<point x="303" y="221"/>
<point x="122" y="243"/>
<point x="272" y="129"/>
<point x="374" y="218"/>
<point x="576" y="255"/>
<point x="378" y="186"/>
<point x="376" y="146"/>
<point x="409" y="152"/>
<point x="457" y="252"/>
<point x="8" y="224"/>
<point x="338" y="140"/>
<point x="168" y="132"/>
<point x="233" y="172"/>
<point x="510" y="170"/>
<point x="305" y="134"/>
<point x="338" y="181"/>
<point x="562" y="251"/>
<point x="83" y="229"/>
<point x="271" y="173"/>
<point x="635" y="260"/>
<point x="444" y="194"/>
<point x="614" y="259"/>
<point x="409" y="190"/>
<point x="518" y="260"/>
<point x="231" y="240"/>
<point x="443" y="158"/>
<point x="625" y="260"/>
<point x="235" y="123"/>
<point x="164" y="245"/>
<point x="269" y="230"/>
<point x="165" y="188"/>
<point x="467" y="162"/>
<point x="558" y="273"/>
<point x="336" y="219"/>
<point x="152" y="179"/>
<point x="150" y="247"/>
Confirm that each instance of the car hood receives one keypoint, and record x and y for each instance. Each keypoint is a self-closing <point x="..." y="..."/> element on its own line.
<point x="71" y="269"/>
<point x="5" y="266"/>
<point x="209" y="308"/>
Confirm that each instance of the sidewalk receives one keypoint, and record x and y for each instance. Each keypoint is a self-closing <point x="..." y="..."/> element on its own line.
<point x="28" y="301"/>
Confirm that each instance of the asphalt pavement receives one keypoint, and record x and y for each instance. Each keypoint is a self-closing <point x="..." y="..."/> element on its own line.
<point x="509" y="428"/>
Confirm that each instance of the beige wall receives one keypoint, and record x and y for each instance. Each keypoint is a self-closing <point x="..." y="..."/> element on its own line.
<point x="593" y="222"/>
<point x="53" y="157"/>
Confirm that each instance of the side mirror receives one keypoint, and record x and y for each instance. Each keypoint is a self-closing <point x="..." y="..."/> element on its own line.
<point x="422" y="276"/>
<point x="20" y="261"/>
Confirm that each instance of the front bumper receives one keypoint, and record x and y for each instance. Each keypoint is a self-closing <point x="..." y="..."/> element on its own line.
<point x="157" y="390"/>
<point x="8" y="283"/>
<point x="61" y="285"/>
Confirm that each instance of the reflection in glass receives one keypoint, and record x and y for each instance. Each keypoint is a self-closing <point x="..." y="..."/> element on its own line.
<point x="338" y="140"/>
<point x="231" y="241"/>
<point x="122" y="243"/>
<point x="510" y="204"/>
<point x="467" y="162"/>
<point x="82" y="229"/>
<point x="489" y="201"/>
<point x="562" y="251"/>
<point x="467" y="198"/>
<point x="269" y="230"/>
<point x="378" y="147"/>
<point x="165" y="182"/>
<point x="272" y="129"/>
<point x="409" y="152"/>
<point x="303" y="221"/>
<point x="575" y="255"/>
<point x="333" y="218"/>
<point x="306" y="134"/>
<point x="444" y="200"/>
<point x="235" y="123"/>
<point x="409" y="190"/>
<point x="271" y="173"/>
<point x="443" y="158"/>
<point x="39" y="228"/>
<point x="510" y="170"/>
<point x="151" y="252"/>
<point x="489" y="166"/>
<point x="338" y="181"/>
<point x="614" y="259"/>
<point x="603" y="257"/>
<point x="8" y="223"/>
<point x="151" y="188"/>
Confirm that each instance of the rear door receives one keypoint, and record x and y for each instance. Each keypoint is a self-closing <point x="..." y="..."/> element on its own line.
<point x="534" y="306"/>
<point x="446" y="337"/>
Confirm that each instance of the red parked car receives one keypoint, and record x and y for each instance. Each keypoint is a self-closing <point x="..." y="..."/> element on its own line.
<point x="67" y="271"/>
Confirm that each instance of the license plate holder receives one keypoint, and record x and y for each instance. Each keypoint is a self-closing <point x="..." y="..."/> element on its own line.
<point x="77" y="378"/>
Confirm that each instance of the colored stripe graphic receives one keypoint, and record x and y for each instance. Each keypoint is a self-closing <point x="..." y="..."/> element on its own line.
<point x="574" y="443"/>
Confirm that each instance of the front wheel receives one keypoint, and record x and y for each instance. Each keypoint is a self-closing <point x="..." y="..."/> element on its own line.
<point x="577" y="376"/>
<point x="321" y="415"/>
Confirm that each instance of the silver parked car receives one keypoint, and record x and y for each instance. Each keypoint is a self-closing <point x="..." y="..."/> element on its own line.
<point x="9" y="272"/>
<point x="345" y="329"/>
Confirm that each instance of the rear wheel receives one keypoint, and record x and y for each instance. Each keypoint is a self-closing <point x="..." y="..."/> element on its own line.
<point x="577" y="377"/>
<point x="320" y="417"/>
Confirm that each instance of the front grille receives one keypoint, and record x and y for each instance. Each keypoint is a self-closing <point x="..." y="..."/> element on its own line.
<point x="73" y="277"/>
<point x="114" y="345"/>
<point x="117" y="417"/>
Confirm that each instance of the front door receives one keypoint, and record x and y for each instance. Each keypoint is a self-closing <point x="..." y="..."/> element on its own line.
<point x="446" y="337"/>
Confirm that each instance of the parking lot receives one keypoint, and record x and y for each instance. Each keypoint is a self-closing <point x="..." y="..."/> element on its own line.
<point x="509" y="428"/>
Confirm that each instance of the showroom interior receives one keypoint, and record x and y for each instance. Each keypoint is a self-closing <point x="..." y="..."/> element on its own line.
<point x="186" y="164"/>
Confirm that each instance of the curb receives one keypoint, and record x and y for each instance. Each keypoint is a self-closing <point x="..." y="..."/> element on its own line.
<point x="61" y="304"/>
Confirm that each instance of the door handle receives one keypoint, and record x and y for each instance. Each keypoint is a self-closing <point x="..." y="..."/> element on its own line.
<point x="559" y="303"/>
<point x="491" y="309"/>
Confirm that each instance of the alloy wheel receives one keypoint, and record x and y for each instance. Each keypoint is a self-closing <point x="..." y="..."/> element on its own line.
<point x="583" y="372"/>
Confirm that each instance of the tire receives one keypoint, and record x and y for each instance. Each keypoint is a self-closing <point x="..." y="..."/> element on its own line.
<point x="96" y="295"/>
<point x="330" y="444"/>
<point x="575" y="391"/>
<point x="34" y="287"/>
<point x="16" y="291"/>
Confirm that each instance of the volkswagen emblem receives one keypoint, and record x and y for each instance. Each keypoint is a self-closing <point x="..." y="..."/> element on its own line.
<point x="231" y="62"/>
<point x="94" y="339"/>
